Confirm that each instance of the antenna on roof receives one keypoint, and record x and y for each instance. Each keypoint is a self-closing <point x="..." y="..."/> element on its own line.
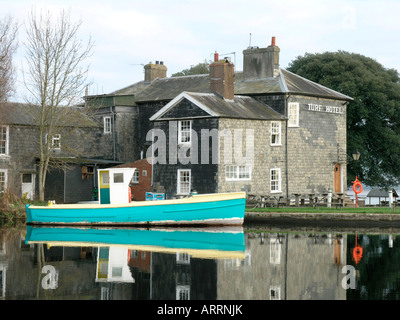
<point x="234" y="56"/>
<point x="137" y="64"/>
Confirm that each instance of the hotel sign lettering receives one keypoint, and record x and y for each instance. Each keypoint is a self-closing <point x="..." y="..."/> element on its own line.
<point x="321" y="108"/>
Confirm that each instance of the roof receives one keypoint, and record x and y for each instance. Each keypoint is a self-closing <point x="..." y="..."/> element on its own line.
<point x="241" y="107"/>
<point x="379" y="193"/>
<point x="22" y="114"/>
<point x="285" y="83"/>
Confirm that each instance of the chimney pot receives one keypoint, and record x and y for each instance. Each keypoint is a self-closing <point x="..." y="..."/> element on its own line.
<point x="273" y="41"/>
<point x="216" y="56"/>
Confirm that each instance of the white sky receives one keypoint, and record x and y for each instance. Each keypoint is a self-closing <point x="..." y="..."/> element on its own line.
<point x="182" y="33"/>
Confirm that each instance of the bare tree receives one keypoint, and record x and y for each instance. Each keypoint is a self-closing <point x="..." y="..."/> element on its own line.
<point x="55" y="79"/>
<point x="8" y="47"/>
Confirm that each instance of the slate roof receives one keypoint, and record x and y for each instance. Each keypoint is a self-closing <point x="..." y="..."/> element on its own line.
<point x="19" y="114"/>
<point x="286" y="82"/>
<point x="241" y="107"/>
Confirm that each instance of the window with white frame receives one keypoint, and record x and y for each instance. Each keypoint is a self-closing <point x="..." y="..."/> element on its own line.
<point x="55" y="143"/>
<point x="182" y="292"/>
<point x="293" y="114"/>
<point x="184" y="181"/>
<point x="275" y="133"/>
<point x="3" y="180"/>
<point x="135" y="178"/>
<point x="237" y="173"/>
<point x="184" y="128"/>
<point x="4" y="140"/>
<point x="275" y="180"/>
<point x="107" y="124"/>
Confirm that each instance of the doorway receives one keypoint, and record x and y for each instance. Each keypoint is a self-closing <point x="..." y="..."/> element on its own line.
<point x="28" y="185"/>
<point x="338" y="178"/>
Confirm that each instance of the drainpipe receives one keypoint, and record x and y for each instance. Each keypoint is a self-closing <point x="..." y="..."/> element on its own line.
<point x="113" y="133"/>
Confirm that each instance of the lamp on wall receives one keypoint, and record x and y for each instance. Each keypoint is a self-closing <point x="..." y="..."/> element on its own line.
<point x="356" y="155"/>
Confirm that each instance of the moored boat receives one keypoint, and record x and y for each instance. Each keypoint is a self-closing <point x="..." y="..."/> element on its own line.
<point x="211" y="209"/>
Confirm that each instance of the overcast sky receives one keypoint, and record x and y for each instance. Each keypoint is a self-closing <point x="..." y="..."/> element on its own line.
<point x="182" y="33"/>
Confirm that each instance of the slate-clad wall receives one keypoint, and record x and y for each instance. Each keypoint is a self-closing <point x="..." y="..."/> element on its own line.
<point x="22" y="150"/>
<point x="203" y="176"/>
<point x="315" y="146"/>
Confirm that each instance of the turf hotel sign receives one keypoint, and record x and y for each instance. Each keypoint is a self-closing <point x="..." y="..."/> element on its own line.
<point x="322" y="108"/>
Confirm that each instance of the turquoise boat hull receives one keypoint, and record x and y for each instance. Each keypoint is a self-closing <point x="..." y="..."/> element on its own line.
<point x="201" y="242"/>
<point x="215" y="209"/>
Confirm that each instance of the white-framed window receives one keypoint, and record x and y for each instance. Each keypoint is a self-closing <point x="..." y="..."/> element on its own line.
<point x="55" y="143"/>
<point x="182" y="292"/>
<point x="293" y="114"/>
<point x="107" y="124"/>
<point x="276" y="133"/>
<point x="135" y="178"/>
<point x="4" y="136"/>
<point x="184" y="131"/>
<point x="233" y="173"/>
<point x="182" y="258"/>
<point x="274" y="251"/>
<point x="184" y="183"/>
<point x="3" y="180"/>
<point x="275" y="179"/>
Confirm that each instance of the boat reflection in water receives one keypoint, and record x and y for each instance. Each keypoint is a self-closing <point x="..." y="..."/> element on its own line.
<point x="126" y="253"/>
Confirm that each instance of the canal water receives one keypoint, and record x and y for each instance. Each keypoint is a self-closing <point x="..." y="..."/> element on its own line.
<point x="198" y="264"/>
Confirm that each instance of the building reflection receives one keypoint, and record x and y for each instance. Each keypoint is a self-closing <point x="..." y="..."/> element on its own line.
<point x="275" y="266"/>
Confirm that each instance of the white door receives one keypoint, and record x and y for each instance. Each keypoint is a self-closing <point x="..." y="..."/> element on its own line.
<point x="28" y="185"/>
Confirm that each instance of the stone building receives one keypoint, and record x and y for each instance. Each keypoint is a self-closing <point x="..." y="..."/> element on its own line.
<point x="77" y="148"/>
<point x="299" y="148"/>
<point x="277" y="133"/>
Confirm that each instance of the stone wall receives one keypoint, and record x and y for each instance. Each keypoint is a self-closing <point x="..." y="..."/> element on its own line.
<point x="266" y="157"/>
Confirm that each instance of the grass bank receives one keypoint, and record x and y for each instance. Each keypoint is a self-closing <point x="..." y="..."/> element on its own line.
<point x="361" y="210"/>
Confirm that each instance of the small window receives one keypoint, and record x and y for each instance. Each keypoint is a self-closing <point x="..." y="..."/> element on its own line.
<point x="182" y="292"/>
<point x="135" y="178"/>
<point x="144" y="173"/>
<point x="105" y="178"/>
<point x="107" y="124"/>
<point x="293" y="114"/>
<point x="237" y="173"/>
<point x="184" y="130"/>
<point x="183" y="181"/>
<point x="27" y="178"/>
<point x="3" y="140"/>
<point x="55" y="143"/>
<point x="118" y="177"/>
<point x="275" y="133"/>
<point x="275" y="180"/>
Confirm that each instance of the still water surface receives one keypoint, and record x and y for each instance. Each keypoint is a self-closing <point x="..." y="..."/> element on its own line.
<point x="200" y="264"/>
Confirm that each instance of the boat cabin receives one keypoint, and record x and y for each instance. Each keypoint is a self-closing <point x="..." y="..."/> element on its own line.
<point x="114" y="185"/>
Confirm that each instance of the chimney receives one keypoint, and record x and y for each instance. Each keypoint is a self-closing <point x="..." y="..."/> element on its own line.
<point x="222" y="77"/>
<point x="261" y="63"/>
<point x="154" y="71"/>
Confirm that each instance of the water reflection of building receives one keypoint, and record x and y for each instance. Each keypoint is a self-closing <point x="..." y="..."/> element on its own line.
<point x="276" y="268"/>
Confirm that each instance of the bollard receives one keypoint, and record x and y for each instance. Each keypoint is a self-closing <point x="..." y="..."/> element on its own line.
<point x="329" y="199"/>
